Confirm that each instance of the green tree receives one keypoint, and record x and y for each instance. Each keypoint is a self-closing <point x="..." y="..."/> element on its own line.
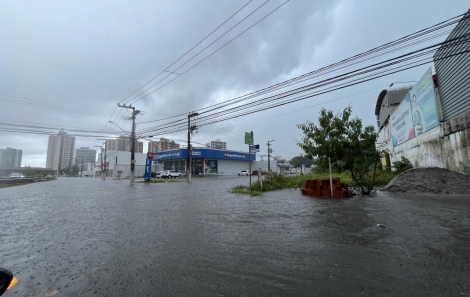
<point x="342" y="138"/>
<point x="299" y="160"/>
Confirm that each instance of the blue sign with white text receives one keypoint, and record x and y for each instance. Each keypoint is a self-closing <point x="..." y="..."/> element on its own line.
<point x="206" y="153"/>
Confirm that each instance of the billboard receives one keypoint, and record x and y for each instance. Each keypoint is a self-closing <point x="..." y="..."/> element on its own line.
<point x="423" y="104"/>
<point x="402" y="127"/>
<point x="417" y="113"/>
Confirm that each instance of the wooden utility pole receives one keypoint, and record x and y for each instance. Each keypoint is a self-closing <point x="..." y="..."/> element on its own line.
<point x="189" y="159"/>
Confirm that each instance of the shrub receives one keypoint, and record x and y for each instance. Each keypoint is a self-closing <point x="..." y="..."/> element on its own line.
<point x="403" y="165"/>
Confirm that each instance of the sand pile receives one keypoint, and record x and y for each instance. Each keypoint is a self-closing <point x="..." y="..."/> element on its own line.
<point x="430" y="180"/>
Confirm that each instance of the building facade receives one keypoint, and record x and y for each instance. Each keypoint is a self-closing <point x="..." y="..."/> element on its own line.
<point x="85" y="155"/>
<point x="124" y="144"/>
<point x="217" y="144"/>
<point x="60" y="149"/>
<point x="431" y="125"/>
<point x="10" y="158"/>
<point x="162" y="145"/>
<point x="206" y="161"/>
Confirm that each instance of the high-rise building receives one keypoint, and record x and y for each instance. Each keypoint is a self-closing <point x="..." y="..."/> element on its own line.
<point x="123" y="144"/>
<point x="162" y="145"/>
<point x="10" y="158"/>
<point x="85" y="155"/>
<point x="60" y="149"/>
<point x="217" y="144"/>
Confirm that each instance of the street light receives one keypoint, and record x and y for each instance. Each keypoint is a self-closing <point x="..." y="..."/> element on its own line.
<point x="119" y="127"/>
<point x="403" y="82"/>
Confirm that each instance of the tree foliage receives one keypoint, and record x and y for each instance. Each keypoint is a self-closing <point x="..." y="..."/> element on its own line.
<point x="403" y="165"/>
<point x="344" y="139"/>
<point x="299" y="160"/>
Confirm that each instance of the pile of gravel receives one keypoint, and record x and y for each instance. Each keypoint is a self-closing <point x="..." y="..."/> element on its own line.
<point x="430" y="180"/>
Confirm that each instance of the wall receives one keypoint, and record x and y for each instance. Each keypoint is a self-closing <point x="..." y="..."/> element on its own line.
<point x="446" y="146"/>
<point x="227" y="167"/>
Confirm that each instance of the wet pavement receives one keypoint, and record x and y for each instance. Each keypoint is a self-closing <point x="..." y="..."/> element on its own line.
<point x="88" y="237"/>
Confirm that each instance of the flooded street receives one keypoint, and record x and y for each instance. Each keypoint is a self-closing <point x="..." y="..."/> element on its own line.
<point x="89" y="237"/>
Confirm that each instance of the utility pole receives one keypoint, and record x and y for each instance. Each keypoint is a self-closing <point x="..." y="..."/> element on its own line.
<point x="269" y="156"/>
<point x="189" y="159"/>
<point x="104" y="160"/>
<point x="104" y="169"/>
<point x="134" y="114"/>
<point x="101" y="160"/>
<point x="81" y="169"/>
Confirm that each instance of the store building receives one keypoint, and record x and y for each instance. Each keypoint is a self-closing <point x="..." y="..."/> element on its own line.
<point x="206" y="161"/>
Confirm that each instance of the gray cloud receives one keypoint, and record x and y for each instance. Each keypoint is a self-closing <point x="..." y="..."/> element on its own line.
<point x="92" y="55"/>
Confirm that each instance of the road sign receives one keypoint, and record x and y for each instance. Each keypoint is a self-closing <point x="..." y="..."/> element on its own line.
<point x="249" y="139"/>
<point x="150" y="155"/>
<point x="254" y="148"/>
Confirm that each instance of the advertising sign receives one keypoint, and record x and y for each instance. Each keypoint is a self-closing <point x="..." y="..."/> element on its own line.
<point x="402" y="123"/>
<point x="148" y="169"/>
<point x="423" y="104"/>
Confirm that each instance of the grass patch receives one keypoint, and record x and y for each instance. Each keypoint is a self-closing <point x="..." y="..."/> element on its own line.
<point x="279" y="182"/>
<point x="244" y="190"/>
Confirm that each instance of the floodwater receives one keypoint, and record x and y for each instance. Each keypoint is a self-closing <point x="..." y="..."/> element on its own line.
<point x="89" y="237"/>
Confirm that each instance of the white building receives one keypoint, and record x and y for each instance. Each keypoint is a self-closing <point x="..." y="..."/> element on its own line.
<point x="117" y="164"/>
<point x="60" y="149"/>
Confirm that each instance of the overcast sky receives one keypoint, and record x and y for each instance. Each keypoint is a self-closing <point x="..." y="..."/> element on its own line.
<point x="93" y="54"/>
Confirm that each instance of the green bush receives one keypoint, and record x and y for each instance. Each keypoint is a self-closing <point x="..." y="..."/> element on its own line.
<point x="403" y="165"/>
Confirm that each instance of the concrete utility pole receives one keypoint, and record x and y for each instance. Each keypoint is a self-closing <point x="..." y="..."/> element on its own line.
<point x="81" y="169"/>
<point x="134" y="114"/>
<point x="269" y="156"/>
<point x="189" y="159"/>
<point x="104" y="164"/>
<point x="101" y="161"/>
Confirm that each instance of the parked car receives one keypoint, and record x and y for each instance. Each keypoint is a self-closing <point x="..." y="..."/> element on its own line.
<point x="174" y="174"/>
<point x="16" y="175"/>
<point x="244" y="173"/>
<point x="164" y="174"/>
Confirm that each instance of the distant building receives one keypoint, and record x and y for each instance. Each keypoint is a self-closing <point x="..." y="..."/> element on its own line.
<point x="162" y="145"/>
<point x="124" y="144"/>
<point x="217" y="144"/>
<point x="10" y="158"/>
<point x="60" y="149"/>
<point x="85" y="155"/>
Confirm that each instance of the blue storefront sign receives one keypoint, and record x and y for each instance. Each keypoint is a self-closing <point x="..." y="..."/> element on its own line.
<point x="205" y="153"/>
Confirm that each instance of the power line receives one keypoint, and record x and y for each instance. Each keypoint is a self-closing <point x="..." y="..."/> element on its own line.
<point x="197" y="54"/>
<point x="328" y="81"/>
<point x="178" y="60"/>
<point x="188" y="51"/>
<point x="330" y="68"/>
